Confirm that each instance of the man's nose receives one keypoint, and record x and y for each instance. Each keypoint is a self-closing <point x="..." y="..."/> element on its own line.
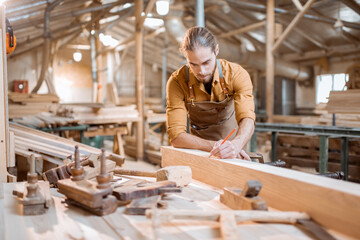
<point x="202" y="70"/>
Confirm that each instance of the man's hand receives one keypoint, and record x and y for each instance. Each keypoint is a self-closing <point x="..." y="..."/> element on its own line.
<point x="228" y="150"/>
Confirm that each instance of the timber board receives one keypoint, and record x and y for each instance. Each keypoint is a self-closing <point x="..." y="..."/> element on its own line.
<point x="332" y="203"/>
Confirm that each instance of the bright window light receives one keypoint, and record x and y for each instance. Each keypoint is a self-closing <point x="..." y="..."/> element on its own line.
<point x="327" y="83"/>
<point x="153" y="23"/>
<point x="77" y="56"/>
<point x="162" y="7"/>
<point x="108" y="40"/>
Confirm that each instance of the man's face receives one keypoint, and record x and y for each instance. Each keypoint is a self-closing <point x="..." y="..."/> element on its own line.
<point x="202" y="62"/>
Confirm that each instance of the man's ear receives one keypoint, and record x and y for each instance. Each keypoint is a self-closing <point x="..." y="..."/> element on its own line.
<point x="217" y="50"/>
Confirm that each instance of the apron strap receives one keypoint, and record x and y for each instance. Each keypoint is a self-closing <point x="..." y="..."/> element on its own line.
<point x="221" y="77"/>
<point x="191" y="90"/>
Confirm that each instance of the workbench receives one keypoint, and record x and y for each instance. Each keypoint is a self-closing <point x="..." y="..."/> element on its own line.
<point x="69" y="222"/>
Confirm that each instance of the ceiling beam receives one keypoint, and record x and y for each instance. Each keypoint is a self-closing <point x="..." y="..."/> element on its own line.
<point x="353" y="5"/>
<point x="262" y="8"/>
<point x="291" y="26"/>
<point x="243" y="29"/>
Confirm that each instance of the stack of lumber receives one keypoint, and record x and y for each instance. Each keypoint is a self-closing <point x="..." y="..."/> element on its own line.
<point x="152" y="151"/>
<point x="303" y="151"/>
<point x="24" y="98"/>
<point x="48" y="147"/>
<point x="22" y="104"/>
<point x="344" y="101"/>
<point x="45" y="120"/>
<point x="102" y="114"/>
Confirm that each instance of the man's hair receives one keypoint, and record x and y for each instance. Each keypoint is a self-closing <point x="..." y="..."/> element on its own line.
<point x="197" y="37"/>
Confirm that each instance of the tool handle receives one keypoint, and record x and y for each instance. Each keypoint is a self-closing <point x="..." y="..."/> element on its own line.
<point x="135" y="173"/>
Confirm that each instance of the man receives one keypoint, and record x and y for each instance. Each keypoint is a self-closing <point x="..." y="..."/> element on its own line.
<point x="216" y="95"/>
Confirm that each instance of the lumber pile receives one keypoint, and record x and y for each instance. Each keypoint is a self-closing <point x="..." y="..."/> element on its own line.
<point x="303" y="151"/>
<point x="25" y="98"/>
<point x="344" y="101"/>
<point x="102" y="114"/>
<point x="23" y="104"/>
<point x="45" y="120"/>
<point x="48" y="147"/>
<point x="152" y="150"/>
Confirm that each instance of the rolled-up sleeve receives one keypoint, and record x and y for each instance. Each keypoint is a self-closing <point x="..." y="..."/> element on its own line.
<point x="175" y="109"/>
<point x="243" y="97"/>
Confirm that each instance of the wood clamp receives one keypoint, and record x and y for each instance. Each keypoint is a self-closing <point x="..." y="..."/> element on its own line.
<point x="244" y="199"/>
<point x="90" y="195"/>
<point x="259" y="157"/>
<point x="34" y="199"/>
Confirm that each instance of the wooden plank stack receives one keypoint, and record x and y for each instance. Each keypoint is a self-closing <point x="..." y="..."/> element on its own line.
<point x="23" y="104"/>
<point x="50" y="148"/>
<point x="344" y="101"/>
<point x="45" y="120"/>
<point x="104" y="114"/>
<point x="303" y="151"/>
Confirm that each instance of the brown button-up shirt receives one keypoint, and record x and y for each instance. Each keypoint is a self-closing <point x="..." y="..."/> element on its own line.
<point x="237" y="81"/>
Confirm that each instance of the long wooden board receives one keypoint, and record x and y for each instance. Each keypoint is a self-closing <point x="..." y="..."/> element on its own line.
<point x="4" y="124"/>
<point x="332" y="203"/>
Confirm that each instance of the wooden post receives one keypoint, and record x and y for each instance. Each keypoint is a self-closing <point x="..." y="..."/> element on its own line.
<point x="270" y="70"/>
<point x="345" y="157"/>
<point x="323" y="153"/>
<point x="4" y="122"/>
<point x="140" y="85"/>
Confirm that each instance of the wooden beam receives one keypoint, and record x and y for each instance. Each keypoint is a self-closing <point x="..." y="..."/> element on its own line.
<point x="292" y="25"/>
<point x="140" y="81"/>
<point x="298" y="4"/>
<point x="4" y="122"/>
<point x="270" y="67"/>
<point x="353" y="5"/>
<point x="332" y="203"/>
<point x="243" y="29"/>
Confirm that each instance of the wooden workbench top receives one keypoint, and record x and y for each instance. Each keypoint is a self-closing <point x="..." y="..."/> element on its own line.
<point x="69" y="222"/>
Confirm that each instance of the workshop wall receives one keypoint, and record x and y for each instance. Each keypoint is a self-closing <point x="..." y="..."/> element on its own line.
<point x="72" y="80"/>
<point x="26" y="66"/>
<point x="126" y="79"/>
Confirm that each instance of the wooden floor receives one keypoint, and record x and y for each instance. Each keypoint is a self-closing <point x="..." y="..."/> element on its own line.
<point x="68" y="222"/>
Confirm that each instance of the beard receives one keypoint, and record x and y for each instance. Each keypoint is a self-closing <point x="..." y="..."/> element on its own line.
<point x="204" y="78"/>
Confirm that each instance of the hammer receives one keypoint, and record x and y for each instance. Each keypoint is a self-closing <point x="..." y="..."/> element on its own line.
<point x="182" y="175"/>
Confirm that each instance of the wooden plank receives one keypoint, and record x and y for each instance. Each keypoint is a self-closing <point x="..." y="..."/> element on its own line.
<point x="106" y="132"/>
<point x="327" y="201"/>
<point x="56" y="141"/>
<point x="4" y="123"/>
<point x="11" y="162"/>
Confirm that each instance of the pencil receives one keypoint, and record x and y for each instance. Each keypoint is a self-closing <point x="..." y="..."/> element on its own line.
<point x="226" y="138"/>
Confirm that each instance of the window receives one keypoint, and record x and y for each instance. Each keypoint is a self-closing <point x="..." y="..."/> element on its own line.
<point x="327" y="83"/>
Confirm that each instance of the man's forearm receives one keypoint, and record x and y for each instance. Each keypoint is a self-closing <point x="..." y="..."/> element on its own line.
<point x="185" y="140"/>
<point x="246" y="129"/>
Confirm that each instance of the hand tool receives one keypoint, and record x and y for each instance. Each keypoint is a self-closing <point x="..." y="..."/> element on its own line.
<point x="181" y="175"/>
<point x="227" y="218"/>
<point x="91" y="169"/>
<point x="260" y="159"/>
<point x="144" y="190"/>
<point x="33" y="199"/>
<point x="86" y="194"/>
<point x="228" y="136"/>
<point x="140" y="205"/>
<point x="244" y="199"/>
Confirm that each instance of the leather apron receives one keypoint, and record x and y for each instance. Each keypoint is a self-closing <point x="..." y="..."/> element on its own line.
<point x="211" y="120"/>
